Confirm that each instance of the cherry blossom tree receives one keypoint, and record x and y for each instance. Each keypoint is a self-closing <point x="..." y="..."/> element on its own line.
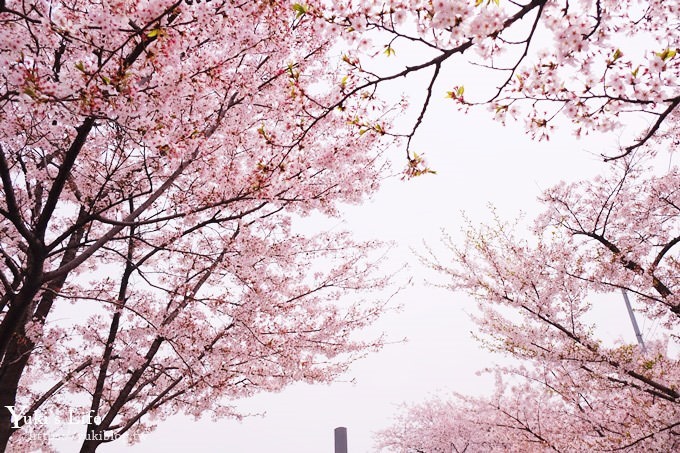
<point x="571" y="389"/>
<point x="153" y="158"/>
<point x="521" y="418"/>
<point x="517" y="422"/>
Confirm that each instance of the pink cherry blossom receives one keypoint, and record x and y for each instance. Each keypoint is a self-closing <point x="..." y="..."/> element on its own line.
<point x="569" y="389"/>
<point x="154" y="156"/>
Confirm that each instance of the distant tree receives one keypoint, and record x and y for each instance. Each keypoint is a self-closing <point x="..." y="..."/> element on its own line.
<point x="571" y="391"/>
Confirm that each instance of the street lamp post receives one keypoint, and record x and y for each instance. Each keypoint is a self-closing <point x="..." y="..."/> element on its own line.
<point x="341" y="440"/>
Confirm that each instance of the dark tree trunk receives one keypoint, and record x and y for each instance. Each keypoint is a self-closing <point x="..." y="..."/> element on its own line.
<point x="91" y="443"/>
<point x="16" y="358"/>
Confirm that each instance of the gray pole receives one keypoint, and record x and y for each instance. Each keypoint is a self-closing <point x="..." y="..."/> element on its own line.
<point x="638" y="335"/>
<point x="341" y="440"/>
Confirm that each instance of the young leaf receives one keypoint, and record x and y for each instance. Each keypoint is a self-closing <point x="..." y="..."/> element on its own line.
<point x="389" y="51"/>
<point x="300" y="10"/>
<point x="667" y="54"/>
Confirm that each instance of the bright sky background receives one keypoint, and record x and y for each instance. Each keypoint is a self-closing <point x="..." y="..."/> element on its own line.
<point x="478" y="162"/>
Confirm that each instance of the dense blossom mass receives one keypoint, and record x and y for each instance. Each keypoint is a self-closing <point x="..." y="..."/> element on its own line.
<point x="589" y="61"/>
<point x="153" y="155"/>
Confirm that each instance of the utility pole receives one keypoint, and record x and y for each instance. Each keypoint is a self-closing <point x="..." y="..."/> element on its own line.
<point x="638" y="335"/>
<point x="341" y="440"/>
